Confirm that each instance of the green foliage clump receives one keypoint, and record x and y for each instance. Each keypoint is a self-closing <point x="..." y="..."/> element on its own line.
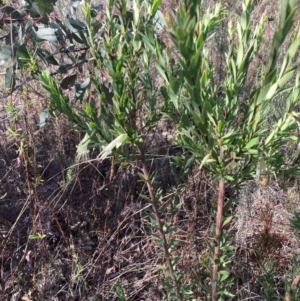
<point x="135" y="81"/>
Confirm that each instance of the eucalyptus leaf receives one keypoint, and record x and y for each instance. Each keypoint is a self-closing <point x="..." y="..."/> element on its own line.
<point x="48" y="34"/>
<point x="5" y="54"/>
<point x="9" y="79"/>
<point x="159" y="21"/>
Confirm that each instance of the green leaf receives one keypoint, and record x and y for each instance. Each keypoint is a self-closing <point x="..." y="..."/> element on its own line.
<point x="116" y="143"/>
<point x="206" y="159"/>
<point x="78" y="30"/>
<point x="136" y="12"/>
<point x="170" y="230"/>
<point x="162" y="72"/>
<point x="227" y="221"/>
<point x="227" y="205"/>
<point x="155" y="5"/>
<point x="37" y="236"/>
<point x="161" y="267"/>
<point x="77" y="25"/>
<point x="262" y="94"/>
<point x="9" y="79"/>
<point x="229" y="177"/>
<point x="78" y="38"/>
<point x="46" y="7"/>
<point x="48" y="34"/>
<point x="240" y="54"/>
<point x="23" y="55"/>
<point x="286" y="77"/>
<point x="252" y="142"/>
<point x="5" y="54"/>
<point x="173" y="97"/>
<point x="223" y="275"/>
<point x="272" y="91"/>
<point x="270" y="137"/>
<point x="120" y="292"/>
<point x="295" y="222"/>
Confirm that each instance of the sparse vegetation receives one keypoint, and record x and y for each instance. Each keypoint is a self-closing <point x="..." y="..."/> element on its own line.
<point x="149" y="150"/>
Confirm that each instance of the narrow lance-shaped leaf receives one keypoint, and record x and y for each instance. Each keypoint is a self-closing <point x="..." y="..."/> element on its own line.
<point x="116" y="143"/>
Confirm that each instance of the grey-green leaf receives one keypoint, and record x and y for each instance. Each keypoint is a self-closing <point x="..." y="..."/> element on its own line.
<point x="5" y="54"/>
<point x="48" y="34"/>
<point x="9" y="79"/>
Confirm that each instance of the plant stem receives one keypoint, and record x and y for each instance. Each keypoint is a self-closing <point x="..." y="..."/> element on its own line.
<point x="155" y="209"/>
<point x="219" y="219"/>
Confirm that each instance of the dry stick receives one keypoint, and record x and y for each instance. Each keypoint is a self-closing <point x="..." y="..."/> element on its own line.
<point x="153" y="201"/>
<point x="221" y="195"/>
